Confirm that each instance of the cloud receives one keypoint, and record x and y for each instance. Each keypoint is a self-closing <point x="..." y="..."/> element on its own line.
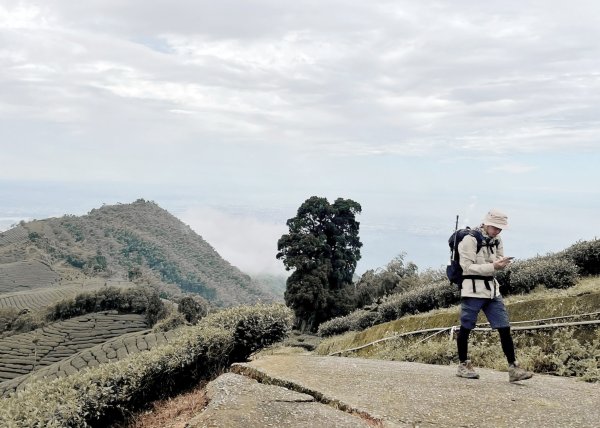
<point x="514" y="168"/>
<point x="276" y="101"/>
<point x="389" y="78"/>
<point x="243" y="240"/>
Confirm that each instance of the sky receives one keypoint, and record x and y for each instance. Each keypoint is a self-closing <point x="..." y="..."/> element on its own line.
<point x="230" y="114"/>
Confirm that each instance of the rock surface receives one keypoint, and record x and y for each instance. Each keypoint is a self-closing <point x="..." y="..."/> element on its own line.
<point x="395" y="394"/>
<point x="238" y="401"/>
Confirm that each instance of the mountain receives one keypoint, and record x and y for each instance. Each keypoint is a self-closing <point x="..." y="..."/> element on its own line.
<point x="130" y="242"/>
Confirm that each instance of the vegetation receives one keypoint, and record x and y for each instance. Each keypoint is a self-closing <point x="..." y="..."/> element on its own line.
<point x="109" y="391"/>
<point x="322" y="249"/>
<point x="193" y="308"/>
<point x="552" y="271"/>
<point x="586" y="255"/>
<point x="139" y="242"/>
<point x="421" y="293"/>
<point x="13" y="320"/>
<point x="396" y="277"/>
<point x="139" y="300"/>
<point x="145" y="244"/>
<point x="140" y="252"/>
<point x="571" y="351"/>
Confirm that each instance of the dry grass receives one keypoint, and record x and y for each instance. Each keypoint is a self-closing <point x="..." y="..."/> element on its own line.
<point x="173" y="412"/>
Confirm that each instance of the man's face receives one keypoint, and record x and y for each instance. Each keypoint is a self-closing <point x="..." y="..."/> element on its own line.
<point x="492" y="231"/>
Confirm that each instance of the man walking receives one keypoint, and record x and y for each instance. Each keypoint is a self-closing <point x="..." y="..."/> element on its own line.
<point x="480" y="291"/>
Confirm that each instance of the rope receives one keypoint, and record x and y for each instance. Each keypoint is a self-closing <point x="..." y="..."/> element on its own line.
<point x="549" y="319"/>
<point x="453" y="328"/>
<point x="537" y="327"/>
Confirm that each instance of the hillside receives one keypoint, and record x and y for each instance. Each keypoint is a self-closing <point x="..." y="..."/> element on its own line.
<point x="24" y="353"/>
<point x="137" y="242"/>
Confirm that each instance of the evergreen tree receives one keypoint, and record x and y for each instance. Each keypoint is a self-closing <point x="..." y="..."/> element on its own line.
<point x="322" y="248"/>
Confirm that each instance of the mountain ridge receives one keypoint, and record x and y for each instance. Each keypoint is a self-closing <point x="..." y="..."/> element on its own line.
<point x="140" y="242"/>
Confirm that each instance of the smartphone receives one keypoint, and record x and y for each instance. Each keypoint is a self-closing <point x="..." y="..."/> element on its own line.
<point x="508" y="258"/>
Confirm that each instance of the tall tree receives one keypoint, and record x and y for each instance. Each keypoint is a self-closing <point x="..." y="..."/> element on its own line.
<point x="322" y="248"/>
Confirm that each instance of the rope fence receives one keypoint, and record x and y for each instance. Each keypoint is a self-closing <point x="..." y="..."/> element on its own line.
<point x="454" y="328"/>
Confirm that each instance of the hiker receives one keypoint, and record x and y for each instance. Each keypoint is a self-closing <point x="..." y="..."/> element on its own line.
<point x="480" y="291"/>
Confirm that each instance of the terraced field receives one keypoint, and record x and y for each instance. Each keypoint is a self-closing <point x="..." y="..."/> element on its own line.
<point x="109" y="351"/>
<point x="14" y="235"/>
<point x="26" y="275"/>
<point x="23" y="353"/>
<point x="44" y="297"/>
<point x="11" y="245"/>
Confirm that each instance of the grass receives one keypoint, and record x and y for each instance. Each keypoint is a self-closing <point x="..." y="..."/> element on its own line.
<point x="572" y="352"/>
<point x="174" y="412"/>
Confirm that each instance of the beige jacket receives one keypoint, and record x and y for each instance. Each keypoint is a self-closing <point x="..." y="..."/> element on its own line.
<point x="480" y="264"/>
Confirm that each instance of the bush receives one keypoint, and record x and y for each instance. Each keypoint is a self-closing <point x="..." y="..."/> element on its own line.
<point x="426" y="298"/>
<point x="96" y="396"/>
<point x="193" y="308"/>
<point x="396" y="277"/>
<point x="171" y="322"/>
<point x="133" y="300"/>
<point x="355" y="321"/>
<point x="586" y="255"/>
<point x="431" y="296"/>
<point x="550" y="271"/>
<point x="254" y="327"/>
<point x="13" y="320"/>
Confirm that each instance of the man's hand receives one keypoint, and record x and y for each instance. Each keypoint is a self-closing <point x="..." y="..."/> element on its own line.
<point x="502" y="263"/>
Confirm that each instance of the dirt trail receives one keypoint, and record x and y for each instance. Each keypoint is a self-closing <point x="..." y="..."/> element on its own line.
<point x="359" y="392"/>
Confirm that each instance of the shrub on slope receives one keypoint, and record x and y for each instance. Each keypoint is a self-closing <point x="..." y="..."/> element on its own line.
<point x="93" y="397"/>
<point x="133" y="300"/>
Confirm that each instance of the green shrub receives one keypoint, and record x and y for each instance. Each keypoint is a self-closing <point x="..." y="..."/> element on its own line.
<point x="254" y="327"/>
<point x="431" y="296"/>
<point x="562" y="353"/>
<point x="354" y="321"/>
<point x="13" y="320"/>
<point x="171" y="322"/>
<point x="550" y="271"/>
<point x="136" y="300"/>
<point x="75" y="262"/>
<point x="586" y="255"/>
<point x="99" y="395"/>
<point x="193" y="308"/>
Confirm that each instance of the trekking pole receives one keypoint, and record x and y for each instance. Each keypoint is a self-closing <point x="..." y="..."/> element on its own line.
<point x="454" y="245"/>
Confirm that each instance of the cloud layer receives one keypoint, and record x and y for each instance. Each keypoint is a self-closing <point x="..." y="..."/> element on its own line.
<point x="411" y="108"/>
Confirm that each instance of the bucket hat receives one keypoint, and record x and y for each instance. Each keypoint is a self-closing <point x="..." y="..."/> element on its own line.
<point x="496" y="218"/>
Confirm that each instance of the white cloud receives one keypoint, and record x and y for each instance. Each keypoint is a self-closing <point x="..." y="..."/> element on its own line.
<point x="22" y="17"/>
<point x="288" y="99"/>
<point x="514" y="168"/>
<point x="244" y="241"/>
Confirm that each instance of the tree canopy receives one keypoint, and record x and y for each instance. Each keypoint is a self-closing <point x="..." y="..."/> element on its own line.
<point x="322" y="248"/>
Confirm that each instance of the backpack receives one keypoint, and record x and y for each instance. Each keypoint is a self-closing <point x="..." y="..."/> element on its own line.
<point x="453" y="271"/>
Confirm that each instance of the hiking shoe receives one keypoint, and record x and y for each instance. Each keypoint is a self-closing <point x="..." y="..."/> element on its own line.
<point x="516" y="373"/>
<point x="466" y="370"/>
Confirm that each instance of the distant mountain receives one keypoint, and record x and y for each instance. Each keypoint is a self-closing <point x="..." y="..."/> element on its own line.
<point x="275" y="284"/>
<point x="135" y="242"/>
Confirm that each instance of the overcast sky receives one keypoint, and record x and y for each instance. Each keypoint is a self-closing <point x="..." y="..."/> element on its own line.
<point x="230" y="114"/>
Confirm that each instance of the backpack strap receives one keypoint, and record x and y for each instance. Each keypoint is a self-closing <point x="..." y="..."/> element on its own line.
<point x="486" y="279"/>
<point x="491" y="246"/>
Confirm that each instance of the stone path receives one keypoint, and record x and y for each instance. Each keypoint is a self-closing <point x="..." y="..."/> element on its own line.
<point x="390" y="394"/>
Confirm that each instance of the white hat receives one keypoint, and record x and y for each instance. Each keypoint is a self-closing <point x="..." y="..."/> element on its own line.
<point x="496" y="218"/>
